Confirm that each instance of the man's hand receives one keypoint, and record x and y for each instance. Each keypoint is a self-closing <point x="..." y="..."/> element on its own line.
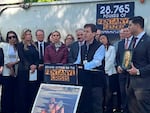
<point x="41" y="66"/>
<point x="133" y="70"/>
<point x="32" y="68"/>
<point x="119" y="69"/>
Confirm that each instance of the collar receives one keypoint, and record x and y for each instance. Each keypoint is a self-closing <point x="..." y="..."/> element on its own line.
<point x="40" y="42"/>
<point x="129" y="39"/>
<point x="139" y="36"/>
<point x="81" y="43"/>
<point x="91" y="42"/>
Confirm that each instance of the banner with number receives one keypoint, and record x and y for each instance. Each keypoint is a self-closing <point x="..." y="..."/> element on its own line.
<point x="112" y="17"/>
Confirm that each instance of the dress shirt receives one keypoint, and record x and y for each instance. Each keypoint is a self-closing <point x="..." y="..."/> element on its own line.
<point x="139" y="36"/>
<point x="97" y="59"/>
<point x="129" y="41"/>
<point x="41" y="43"/>
<point x="78" y="61"/>
<point x="110" y="55"/>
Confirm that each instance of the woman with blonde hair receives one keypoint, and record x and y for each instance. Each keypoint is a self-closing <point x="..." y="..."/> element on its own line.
<point x="69" y="40"/>
<point x="27" y="88"/>
<point x="56" y="52"/>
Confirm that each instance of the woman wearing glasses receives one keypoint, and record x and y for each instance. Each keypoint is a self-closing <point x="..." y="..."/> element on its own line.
<point x="9" y="72"/>
<point x="29" y="60"/>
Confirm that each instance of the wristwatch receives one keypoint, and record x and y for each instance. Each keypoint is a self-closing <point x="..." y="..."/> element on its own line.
<point x="138" y="72"/>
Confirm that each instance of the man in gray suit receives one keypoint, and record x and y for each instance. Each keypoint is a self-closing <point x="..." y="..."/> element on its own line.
<point x="139" y="87"/>
<point x="75" y="49"/>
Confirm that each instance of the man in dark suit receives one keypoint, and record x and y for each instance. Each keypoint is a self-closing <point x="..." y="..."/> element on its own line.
<point x="74" y="53"/>
<point x="41" y="45"/>
<point x="139" y="86"/>
<point x="123" y="76"/>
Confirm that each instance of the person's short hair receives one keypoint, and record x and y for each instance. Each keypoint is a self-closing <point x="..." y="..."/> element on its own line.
<point x="79" y="29"/>
<point x="92" y="26"/>
<point x="138" y="20"/>
<point x="39" y="30"/>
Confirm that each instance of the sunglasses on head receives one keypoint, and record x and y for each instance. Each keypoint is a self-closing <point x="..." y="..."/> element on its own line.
<point x="10" y="37"/>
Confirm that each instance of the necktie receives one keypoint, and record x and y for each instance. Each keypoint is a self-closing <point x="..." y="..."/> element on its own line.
<point x="41" y="51"/>
<point x="134" y="42"/>
<point x="126" y="44"/>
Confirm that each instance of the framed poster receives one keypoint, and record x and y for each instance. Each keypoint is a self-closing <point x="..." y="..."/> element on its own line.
<point x="52" y="98"/>
<point x="127" y="59"/>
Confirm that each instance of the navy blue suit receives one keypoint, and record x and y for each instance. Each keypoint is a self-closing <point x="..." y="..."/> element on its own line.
<point x="123" y="77"/>
<point x="139" y="87"/>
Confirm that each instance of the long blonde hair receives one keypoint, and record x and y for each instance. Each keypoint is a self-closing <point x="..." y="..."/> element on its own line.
<point x="23" y="37"/>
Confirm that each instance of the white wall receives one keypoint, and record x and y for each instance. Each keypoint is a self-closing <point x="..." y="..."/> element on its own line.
<point x="65" y="17"/>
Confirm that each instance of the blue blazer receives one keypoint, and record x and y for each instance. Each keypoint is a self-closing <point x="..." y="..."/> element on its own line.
<point x="120" y="52"/>
<point x="141" y="60"/>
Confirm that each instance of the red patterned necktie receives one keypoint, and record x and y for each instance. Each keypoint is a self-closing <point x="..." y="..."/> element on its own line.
<point x="126" y="44"/>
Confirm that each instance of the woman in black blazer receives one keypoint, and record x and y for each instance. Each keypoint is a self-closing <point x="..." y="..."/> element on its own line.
<point x="1" y="62"/>
<point x="27" y="88"/>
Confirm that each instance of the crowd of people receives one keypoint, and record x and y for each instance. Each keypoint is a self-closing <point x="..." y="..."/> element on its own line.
<point x="117" y="83"/>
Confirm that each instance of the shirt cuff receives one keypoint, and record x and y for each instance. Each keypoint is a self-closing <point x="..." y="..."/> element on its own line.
<point x="138" y="72"/>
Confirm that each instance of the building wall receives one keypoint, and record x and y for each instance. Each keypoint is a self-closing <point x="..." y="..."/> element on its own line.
<point x="65" y="17"/>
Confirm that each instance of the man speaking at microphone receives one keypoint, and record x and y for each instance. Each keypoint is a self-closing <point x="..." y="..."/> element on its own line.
<point x="92" y="78"/>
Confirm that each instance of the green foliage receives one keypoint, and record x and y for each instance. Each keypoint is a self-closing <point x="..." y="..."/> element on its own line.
<point x="27" y="1"/>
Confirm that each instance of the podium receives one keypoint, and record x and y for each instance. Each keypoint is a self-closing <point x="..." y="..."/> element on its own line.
<point x="73" y="74"/>
<point x="62" y="73"/>
<point x="91" y="78"/>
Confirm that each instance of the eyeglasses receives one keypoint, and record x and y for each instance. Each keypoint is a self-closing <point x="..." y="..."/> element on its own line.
<point x="55" y="35"/>
<point x="10" y="37"/>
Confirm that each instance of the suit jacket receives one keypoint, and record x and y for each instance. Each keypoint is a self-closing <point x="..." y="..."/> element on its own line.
<point x="1" y="57"/>
<point x="73" y="53"/>
<point x="141" y="60"/>
<point x="120" y="52"/>
<point x="41" y="61"/>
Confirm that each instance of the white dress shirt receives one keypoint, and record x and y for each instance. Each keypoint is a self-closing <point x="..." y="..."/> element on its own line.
<point x="110" y="56"/>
